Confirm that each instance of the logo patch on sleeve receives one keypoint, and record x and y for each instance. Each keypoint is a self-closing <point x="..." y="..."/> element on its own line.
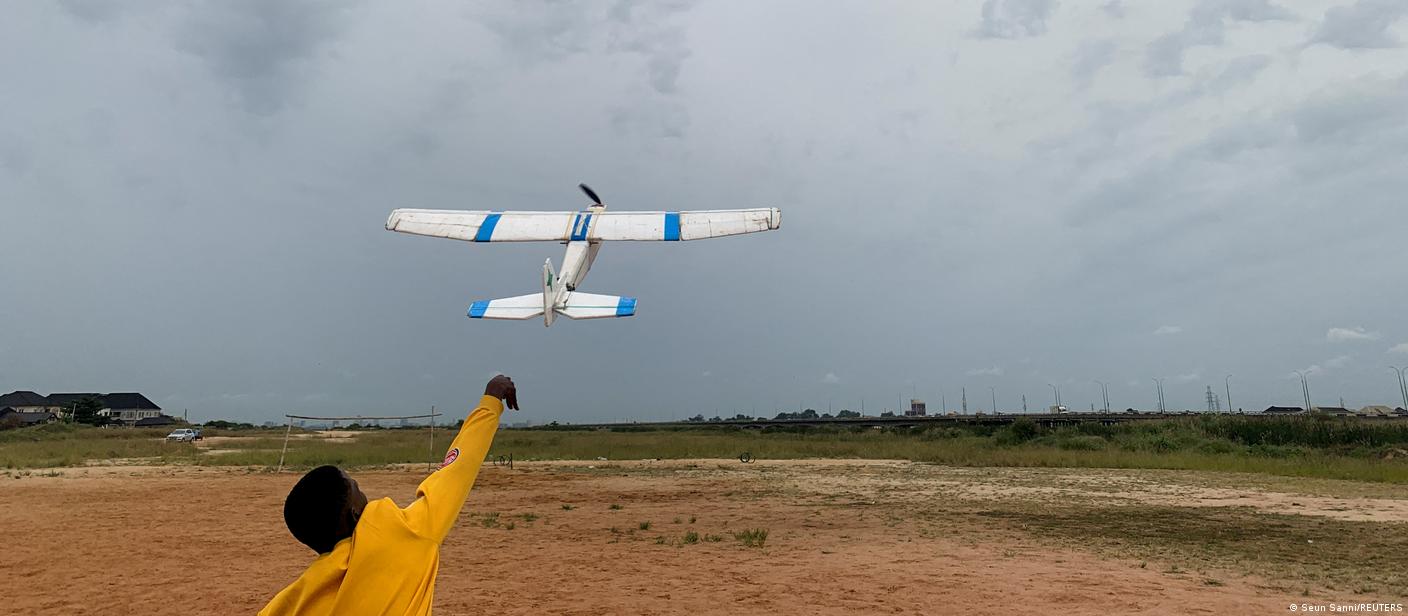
<point x="453" y="455"/>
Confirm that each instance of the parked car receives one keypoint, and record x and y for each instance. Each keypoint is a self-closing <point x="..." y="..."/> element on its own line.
<point x="183" y="435"/>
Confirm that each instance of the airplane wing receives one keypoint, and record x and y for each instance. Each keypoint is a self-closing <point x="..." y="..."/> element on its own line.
<point x="676" y="226"/>
<point x="482" y="226"/>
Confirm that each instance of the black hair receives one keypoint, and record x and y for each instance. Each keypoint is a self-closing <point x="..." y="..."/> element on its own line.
<point x="316" y="509"/>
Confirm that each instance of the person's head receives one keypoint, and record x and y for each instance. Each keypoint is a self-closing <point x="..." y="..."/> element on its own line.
<point x="323" y="508"/>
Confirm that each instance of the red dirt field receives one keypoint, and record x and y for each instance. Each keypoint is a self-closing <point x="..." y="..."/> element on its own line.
<point x="193" y="540"/>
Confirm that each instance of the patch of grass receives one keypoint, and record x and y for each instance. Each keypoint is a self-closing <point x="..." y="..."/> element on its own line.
<point x="615" y="506"/>
<point x="690" y="538"/>
<point x="489" y="520"/>
<point x="692" y="519"/>
<point x="1308" y="549"/>
<point x="528" y="517"/>
<point x="677" y="520"/>
<point x="713" y="538"/>
<point x="566" y="507"/>
<point x="644" y="526"/>
<point x="753" y="537"/>
<point x="509" y="526"/>
<point x="660" y="540"/>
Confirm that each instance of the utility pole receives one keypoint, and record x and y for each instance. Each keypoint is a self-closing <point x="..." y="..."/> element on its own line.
<point x="994" y="400"/>
<point x="1056" y="393"/>
<point x="965" y="400"/>
<point x="1104" y="395"/>
<point x="1024" y="403"/>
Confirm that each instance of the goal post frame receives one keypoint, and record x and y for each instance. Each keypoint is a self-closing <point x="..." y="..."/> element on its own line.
<point x="289" y="430"/>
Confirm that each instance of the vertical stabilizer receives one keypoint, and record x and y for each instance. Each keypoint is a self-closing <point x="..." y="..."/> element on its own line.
<point x="549" y="292"/>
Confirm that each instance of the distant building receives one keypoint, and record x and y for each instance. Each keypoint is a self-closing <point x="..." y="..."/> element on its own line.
<point x="1376" y="410"/>
<point x="28" y="402"/>
<point x="916" y="408"/>
<point x="1283" y="410"/>
<point x="1337" y="411"/>
<point x="9" y="417"/>
<point x="125" y="407"/>
<point x="156" y="422"/>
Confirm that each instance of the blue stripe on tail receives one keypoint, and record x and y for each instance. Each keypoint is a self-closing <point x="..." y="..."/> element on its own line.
<point x="486" y="228"/>
<point x="626" y="307"/>
<point x="672" y="226"/>
<point x="477" y="309"/>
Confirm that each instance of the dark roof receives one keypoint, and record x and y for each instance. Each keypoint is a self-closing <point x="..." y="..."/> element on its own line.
<point x="23" y="398"/>
<point x="67" y="400"/>
<point x="159" y="420"/>
<point x="129" y="400"/>
<point x="27" y="419"/>
<point x="1283" y="409"/>
<point x="1334" y="410"/>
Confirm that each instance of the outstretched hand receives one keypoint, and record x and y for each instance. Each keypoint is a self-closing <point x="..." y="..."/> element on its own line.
<point x="502" y="387"/>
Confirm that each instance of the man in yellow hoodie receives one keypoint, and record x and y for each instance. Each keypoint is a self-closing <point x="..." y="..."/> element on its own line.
<point x="375" y="557"/>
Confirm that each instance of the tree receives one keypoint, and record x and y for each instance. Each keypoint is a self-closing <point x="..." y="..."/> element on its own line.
<point x="696" y="418"/>
<point x="847" y="413"/>
<point x="887" y="414"/>
<point x="85" y="411"/>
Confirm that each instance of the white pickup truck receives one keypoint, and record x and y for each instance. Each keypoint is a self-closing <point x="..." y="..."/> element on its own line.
<point x="184" y="435"/>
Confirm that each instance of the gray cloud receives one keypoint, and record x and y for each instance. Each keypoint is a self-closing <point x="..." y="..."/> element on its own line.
<point x="234" y="263"/>
<point x="1092" y="56"/>
<point x="1013" y="19"/>
<point x="262" y="48"/>
<point x="1206" y="26"/>
<point x="1362" y="25"/>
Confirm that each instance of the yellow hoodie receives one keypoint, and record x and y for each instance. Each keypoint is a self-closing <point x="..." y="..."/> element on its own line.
<point x="389" y="563"/>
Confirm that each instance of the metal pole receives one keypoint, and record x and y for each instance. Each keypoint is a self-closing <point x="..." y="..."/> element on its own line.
<point x="1227" y="383"/>
<point x="1104" y="395"/>
<point x="1402" y="384"/>
<point x="994" y="400"/>
<point x="285" y="450"/>
<point x="1159" y="385"/>
<point x="431" y="463"/>
<point x="1056" y="394"/>
<point x="1304" y="389"/>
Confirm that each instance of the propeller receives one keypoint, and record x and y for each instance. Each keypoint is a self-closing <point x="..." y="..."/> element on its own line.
<point x="588" y="190"/>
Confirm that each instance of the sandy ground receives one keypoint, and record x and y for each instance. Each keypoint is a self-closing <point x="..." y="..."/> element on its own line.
<point x="188" y="540"/>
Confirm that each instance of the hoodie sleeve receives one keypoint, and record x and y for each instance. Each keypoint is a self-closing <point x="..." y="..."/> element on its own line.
<point x="441" y="496"/>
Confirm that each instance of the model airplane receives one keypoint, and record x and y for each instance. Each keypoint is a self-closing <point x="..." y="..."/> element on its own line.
<point x="582" y="232"/>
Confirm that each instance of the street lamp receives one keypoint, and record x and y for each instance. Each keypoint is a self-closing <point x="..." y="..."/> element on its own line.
<point x="1159" y="383"/>
<point x="994" y="400"/>
<point x="1105" y="395"/>
<point x="1056" y="392"/>
<point x="1227" y="383"/>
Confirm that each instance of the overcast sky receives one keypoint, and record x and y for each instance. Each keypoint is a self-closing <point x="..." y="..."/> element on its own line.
<point x="999" y="193"/>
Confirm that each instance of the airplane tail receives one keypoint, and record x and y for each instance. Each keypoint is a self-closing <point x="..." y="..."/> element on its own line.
<point x="592" y="306"/>
<point x="549" y="293"/>
<point x="515" y="308"/>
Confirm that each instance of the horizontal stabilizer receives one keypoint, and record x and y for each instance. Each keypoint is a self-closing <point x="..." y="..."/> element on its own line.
<point x="590" y="306"/>
<point x="517" y="308"/>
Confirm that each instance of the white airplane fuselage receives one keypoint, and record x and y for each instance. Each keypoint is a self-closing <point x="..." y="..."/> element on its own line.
<point x="576" y="262"/>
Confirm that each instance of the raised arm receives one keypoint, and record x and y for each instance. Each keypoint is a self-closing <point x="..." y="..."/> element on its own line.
<point x="441" y="496"/>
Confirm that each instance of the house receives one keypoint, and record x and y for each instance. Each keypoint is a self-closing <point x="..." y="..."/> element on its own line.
<point x="1283" y="410"/>
<point x="128" y="407"/>
<point x="1337" y="411"/>
<point x="1376" y="410"/>
<point x="9" y="417"/>
<point x="156" y="422"/>
<point x="28" y="402"/>
<point x="1400" y="412"/>
<point x="65" y="402"/>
